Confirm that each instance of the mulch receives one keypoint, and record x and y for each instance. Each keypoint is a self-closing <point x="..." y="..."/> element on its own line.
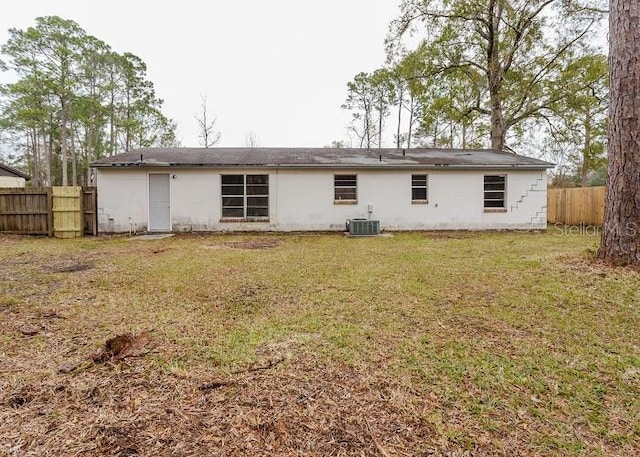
<point x="278" y="407"/>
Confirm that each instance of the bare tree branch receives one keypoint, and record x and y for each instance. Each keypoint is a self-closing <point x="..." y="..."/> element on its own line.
<point x="208" y="136"/>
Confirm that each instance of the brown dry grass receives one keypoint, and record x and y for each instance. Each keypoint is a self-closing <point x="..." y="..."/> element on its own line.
<point x="317" y="345"/>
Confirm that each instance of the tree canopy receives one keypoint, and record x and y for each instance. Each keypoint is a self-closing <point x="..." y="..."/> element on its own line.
<point x="75" y="100"/>
<point x="484" y="73"/>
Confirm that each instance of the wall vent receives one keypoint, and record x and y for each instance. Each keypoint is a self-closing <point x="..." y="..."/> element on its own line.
<point x="363" y="227"/>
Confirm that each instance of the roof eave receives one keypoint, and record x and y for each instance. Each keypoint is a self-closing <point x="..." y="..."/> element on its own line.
<point x="384" y="165"/>
<point x="17" y="173"/>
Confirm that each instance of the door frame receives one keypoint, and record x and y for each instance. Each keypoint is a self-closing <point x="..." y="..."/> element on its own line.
<point x="149" y="229"/>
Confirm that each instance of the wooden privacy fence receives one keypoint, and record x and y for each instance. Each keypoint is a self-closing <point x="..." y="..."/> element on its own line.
<point x="576" y="206"/>
<point x="63" y="212"/>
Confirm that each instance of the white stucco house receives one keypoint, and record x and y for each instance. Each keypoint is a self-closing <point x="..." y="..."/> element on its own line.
<point x="293" y="189"/>
<point x="10" y="177"/>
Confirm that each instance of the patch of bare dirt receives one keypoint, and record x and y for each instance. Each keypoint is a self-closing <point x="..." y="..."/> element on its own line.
<point x="70" y="267"/>
<point x="115" y="349"/>
<point x="448" y="235"/>
<point x="251" y="244"/>
<point x="588" y="263"/>
<point x="122" y="346"/>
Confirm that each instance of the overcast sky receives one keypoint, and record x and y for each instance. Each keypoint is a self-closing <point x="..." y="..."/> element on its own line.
<point x="278" y="68"/>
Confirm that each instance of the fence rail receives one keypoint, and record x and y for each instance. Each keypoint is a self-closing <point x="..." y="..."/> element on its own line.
<point x="575" y="206"/>
<point x="63" y="212"/>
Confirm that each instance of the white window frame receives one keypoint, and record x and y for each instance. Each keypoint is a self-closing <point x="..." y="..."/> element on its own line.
<point x="337" y="199"/>
<point x="245" y="198"/>
<point x="419" y="201"/>
<point x="495" y="209"/>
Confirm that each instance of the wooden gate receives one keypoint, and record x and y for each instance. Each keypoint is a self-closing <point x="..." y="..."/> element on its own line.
<point x="68" y="216"/>
<point x="90" y="210"/>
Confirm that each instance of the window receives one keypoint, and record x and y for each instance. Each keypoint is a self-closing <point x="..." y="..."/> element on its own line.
<point x="419" y="188"/>
<point x="245" y="196"/>
<point x="494" y="191"/>
<point x="345" y="188"/>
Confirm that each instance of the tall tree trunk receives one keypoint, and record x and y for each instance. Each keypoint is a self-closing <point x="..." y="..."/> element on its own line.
<point x="621" y="229"/>
<point x="494" y="76"/>
<point x="464" y="135"/>
<point x="380" y="125"/>
<point x="74" y="158"/>
<point x="451" y="134"/>
<point x="48" y="159"/>
<point x="586" y="158"/>
<point x="63" y="140"/>
<point x="367" y="126"/>
<point x="112" y="121"/>
<point x="85" y="155"/>
<point x="400" y="97"/>
<point x="435" y="134"/>
<point x="410" y="121"/>
<point x="36" y="156"/>
<point x="127" y="141"/>
<point x="497" y="123"/>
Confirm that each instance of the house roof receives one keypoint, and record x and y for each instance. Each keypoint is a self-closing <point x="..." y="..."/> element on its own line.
<point x="6" y="170"/>
<point x="320" y="157"/>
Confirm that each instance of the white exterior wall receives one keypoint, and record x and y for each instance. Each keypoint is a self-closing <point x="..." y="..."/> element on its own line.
<point x="302" y="199"/>
<point x="12" y="181"/>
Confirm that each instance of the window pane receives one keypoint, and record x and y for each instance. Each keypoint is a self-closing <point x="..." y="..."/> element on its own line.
<point x="232" y="179"/>
<point x="419" y="180"/>
<point x="257" y="179"/>
<point x="257" y="189"/>
<point x="345" y="183"/>
<point x="257" y="212"/>
<point x="494" y="203"/>
<point x="494" y="179"/>
<point x="258" y="201"/>
<point x="233" y="201"/>
<point x="232" y="190"/>
<point x="494" y="195"/>
<point x="345" y="180"/>
<point x="232" y="212"/>
<point x="419" y="193"/>
<point x="345" y="193"/>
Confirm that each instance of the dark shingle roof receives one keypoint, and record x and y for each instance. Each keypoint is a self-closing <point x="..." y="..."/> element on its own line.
<point x="6" y="170"/>
<point x="321" y="157"/>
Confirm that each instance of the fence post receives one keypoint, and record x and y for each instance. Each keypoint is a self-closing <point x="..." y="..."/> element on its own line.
<point x="94" y="202"/>
<point x="49" y="212"/>
<point x="81" y="209"/>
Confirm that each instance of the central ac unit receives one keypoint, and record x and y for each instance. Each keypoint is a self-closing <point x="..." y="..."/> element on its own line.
<point x="363" y="227"/>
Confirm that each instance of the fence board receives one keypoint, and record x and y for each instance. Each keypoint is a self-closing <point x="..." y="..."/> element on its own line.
<point x="575" y="206"/>
<point x="24" y="211"/>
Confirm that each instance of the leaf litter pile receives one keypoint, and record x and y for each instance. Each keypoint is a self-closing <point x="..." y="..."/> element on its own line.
<point x="281" y="346"/>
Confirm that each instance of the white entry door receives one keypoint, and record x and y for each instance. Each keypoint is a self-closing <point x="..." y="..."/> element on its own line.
<point x="159" y="203"/>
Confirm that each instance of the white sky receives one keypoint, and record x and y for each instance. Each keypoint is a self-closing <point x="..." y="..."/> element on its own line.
<point x="278" y="68"/>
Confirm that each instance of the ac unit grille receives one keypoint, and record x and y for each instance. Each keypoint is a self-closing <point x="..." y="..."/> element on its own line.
<point x="364" y="227"/>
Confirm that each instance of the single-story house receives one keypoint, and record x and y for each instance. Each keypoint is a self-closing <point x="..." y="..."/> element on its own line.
<point x="10" y="177"/>
<point x="292" y="189"/>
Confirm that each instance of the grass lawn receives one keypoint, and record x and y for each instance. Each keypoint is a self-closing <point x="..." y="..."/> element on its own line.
<point x="315" y="344"/>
